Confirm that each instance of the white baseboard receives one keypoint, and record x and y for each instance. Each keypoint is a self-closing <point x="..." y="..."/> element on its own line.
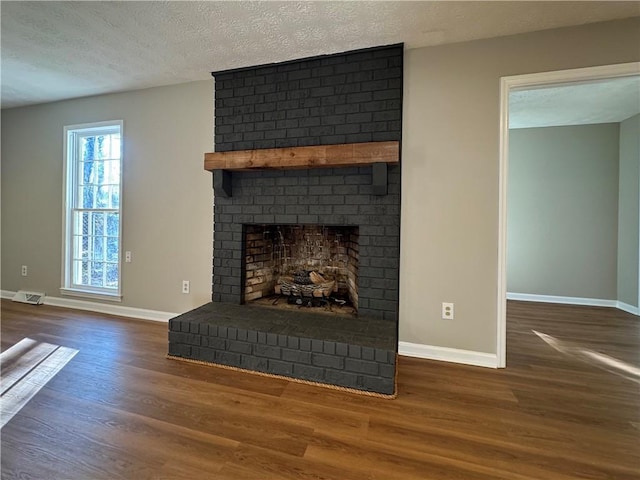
<point x="530" y="297"/>
<point x="431" y="352"/>
<point x="110" y="309"/>
<point x="591" y="302"/>
<point x="628" y="308"/>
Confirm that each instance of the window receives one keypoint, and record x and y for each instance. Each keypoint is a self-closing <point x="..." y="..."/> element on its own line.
<point x="93" y="184"/>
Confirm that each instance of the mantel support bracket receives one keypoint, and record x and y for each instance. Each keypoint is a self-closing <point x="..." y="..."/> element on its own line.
<point x="379" y="178"/>
<point x="222" y="182"/>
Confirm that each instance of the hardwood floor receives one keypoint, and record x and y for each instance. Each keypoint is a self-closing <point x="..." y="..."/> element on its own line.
<point x="120" y="409"/>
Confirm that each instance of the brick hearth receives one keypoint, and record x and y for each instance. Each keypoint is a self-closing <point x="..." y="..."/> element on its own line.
<point x="356" y="353"/>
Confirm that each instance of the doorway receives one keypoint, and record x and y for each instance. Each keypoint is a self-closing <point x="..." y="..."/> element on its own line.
<point x="533" y="82"/>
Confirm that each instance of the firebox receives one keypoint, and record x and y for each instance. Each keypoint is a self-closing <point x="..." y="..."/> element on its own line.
<point x="310" y="265"/>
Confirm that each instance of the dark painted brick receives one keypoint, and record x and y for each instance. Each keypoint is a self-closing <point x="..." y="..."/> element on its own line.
<point x="175" y="349"/>
<point x="320" y="209"/>
<point x="332" y="200"/>
<point x="367" y="353"/>
<point x="342" y="349"/>
<point x="176" y="337"/>
<point x="345" y="209"/>
<point x="329" y="361"/>
<point x="305" y="344"/>
<point x="344" y="379"/>
<point x="254" y="363"/>
<point x="308" y="219"/>
<point x="267" y="351"/>
<point x="280" y="368"/>
<point x="377" y="384"/>
<point x="390" y="315"/>
<point x="359" y="137"/>
<point x="329" y="347"/>
<point x="286" y="219"/>
<point x="348" y="67"/>
<point x="347" y="129"/>
<point x="232" y="333"/>
<point x="228" y="358"/>
<point x="237" y="346"/>
<point x="207" y="354"/>
<point x="252" y="336"/>
<point x="387" y="371"/>
<point x="316" y="345"/>
<point x="355" y="351"/>
<point x="348" y="88"/>
<point x="360" y="97"/>
<point x="214" y="342"/>
<point x="308" y="372"/>
<point x="361" y="366"/>
<point x="264" y="219"/>
<point x="333" y="120"/>
<point x="296" y="356"/>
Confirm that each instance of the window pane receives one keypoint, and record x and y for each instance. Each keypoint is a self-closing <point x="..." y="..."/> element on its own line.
<point x="113" y="225"/>
<point x="87" y="197"/>
<point x="81" y="272"/>
<point x="98" y="246"/>
<point x="111" y="171"/>
<point x="87" y="148"/>
<point x="112" y="249"/>
<point x="112" y="275"/>
<point x="98" y="223"/>
<point x="102" y="197"/>
<point x="97" y="270"/>
<point x="114" y="196"/>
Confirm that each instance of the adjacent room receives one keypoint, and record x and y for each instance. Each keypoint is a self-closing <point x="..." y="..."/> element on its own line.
<point x="299" y="240"/>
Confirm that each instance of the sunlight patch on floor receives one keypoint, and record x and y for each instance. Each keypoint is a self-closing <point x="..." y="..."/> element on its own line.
<point x="25" y="368"/>
<point x="597" y="359"/>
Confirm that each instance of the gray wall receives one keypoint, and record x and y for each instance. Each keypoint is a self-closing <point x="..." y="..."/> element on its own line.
<point x="167" y="195"/>
<point x="563" y="211"/>
<point x="450" y="160"/>
<point x="629" y="211"/>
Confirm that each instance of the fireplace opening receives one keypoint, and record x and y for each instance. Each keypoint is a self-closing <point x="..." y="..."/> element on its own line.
<point x="292" y="266"/>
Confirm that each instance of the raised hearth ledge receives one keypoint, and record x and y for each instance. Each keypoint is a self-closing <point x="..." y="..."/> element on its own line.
<point x="345" y="155"/>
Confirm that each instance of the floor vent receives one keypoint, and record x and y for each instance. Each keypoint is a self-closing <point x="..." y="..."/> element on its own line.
<point x="23" y="296"/>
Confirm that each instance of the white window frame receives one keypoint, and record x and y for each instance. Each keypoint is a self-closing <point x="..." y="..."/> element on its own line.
<point x="70" y="191"/>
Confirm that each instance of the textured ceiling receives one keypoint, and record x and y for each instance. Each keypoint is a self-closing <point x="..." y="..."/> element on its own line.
<point x="605" y="101"/>
<point x="58" y="50"/>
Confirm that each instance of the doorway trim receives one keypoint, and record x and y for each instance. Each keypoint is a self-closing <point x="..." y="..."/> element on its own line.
<point x="529" y="82"/>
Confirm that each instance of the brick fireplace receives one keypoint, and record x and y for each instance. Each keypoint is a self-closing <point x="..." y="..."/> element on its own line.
<point x="306" y="182"/>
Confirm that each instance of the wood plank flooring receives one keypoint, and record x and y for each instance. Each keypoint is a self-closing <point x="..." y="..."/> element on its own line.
<point x="120" y="410"/>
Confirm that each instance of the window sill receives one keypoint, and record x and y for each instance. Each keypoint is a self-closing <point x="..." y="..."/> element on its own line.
<point x="73" y="292"/>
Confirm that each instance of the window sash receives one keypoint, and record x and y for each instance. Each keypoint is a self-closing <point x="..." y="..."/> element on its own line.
<point x="93" y="187"/>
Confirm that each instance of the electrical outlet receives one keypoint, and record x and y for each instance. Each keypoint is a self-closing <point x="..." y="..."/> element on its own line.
<point x="127" y="257"/>
<point x="185" y="286"/>
<point x="447" y="311"/>
<point x="24" y="270"/>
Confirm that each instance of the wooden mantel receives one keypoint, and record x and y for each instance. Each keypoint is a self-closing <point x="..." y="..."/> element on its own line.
<point x="345" y="155"/>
